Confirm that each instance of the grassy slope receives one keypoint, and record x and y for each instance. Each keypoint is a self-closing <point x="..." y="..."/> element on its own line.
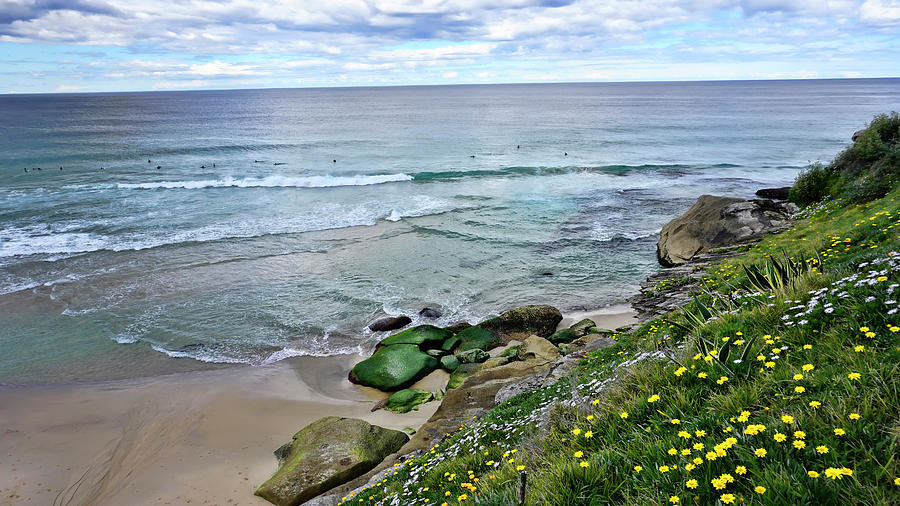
<point x="809" y="416"/>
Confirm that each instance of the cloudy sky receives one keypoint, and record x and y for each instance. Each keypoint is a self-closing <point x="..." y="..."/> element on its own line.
<point x="119" y="45"/>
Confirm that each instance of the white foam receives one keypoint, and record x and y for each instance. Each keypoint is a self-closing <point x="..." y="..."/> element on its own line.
<point x="271" y="182"/>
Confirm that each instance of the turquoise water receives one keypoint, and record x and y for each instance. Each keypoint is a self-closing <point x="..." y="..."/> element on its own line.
<point x="282" y="222"/>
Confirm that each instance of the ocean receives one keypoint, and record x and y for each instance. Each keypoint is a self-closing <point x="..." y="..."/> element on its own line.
<point x="247" y="226"/>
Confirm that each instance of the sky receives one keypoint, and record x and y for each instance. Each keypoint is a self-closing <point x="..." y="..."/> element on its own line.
<point x="135" y="45"/>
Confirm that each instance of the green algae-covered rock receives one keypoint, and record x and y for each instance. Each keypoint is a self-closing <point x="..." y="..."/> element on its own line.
<point x="457" y="328"/>
<point x="477" y="338"/>
<point x="563" y="336"/>
<point x="449" y="344"/>
<point x="406" y="400"/>
<point x="511" y="352"/>
<point x="583" y="327"/>
<point x="449" y="363"/>
<point x="423" y="336"/>
<point x="461" y="373"/>
<point x="393" y="367"/>
<point x="524" y="321"/>
<point x="327" y="453"/>
<point x="472" y="356"/>
<point x="494" y="362"/>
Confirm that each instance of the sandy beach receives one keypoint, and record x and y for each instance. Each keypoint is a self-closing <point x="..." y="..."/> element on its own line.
<point x="202" y="437"/>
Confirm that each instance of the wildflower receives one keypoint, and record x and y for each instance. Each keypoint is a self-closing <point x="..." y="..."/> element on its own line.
<point x="870" y="335"/>
<point x="807" y="346"/>
<point x="576" y="431"/>
<point x="718" y="483"/>
<point x="689" y="467"/>
<point x="770" y="365"/>
<point x="700" y="433"/>
<point x="859" y="348"/>
<point x="653" y="398"/>
<point x="623" y="415"/>
<point x="854" y="416"/>
<point x="673" y="451"/>
<point x="745" y="415"/>
<point x="741" y="470"/>
<point x="680" y="371"/>
<point x="577" y="454"/>
<point x="520" y="468"/>
<point x="589" y="434"/>
<point x="462" y="497"/>
<point x="595" y="402"/>
<point x="583" y="464"/>
<point x="799" y="444"/>
<point x="702" y="375"/>
<point x="822" y="449"/>
<point x="684" y="434"/>
<point x="589" y="417"/>
<point x="673" y="499"/>
<point x="727" y="498"/>
<point x="664" y="469"/>
<point x="815" y="404"/>
<point x="698" y="446"/>
<point x="894" y="329"/>
<point x="759" y="490"/>
<point x="799" y="390"/>
<point x="694" y="484"/>
<point x="881" y="278"/>
<point x="760" y="452"/>
<point x="854" y="375"/>
<point x="812" y="474"/>
<point x="779" y="437"/>
<point x="864" y="329"/>
<point x="798" y="376"/>
<point x="897" y="481"/>
<point x="675" y="421"/>
<point x="807" y="367"/>
<point x="685" y="452"/>
<point x="799" y="434"/>
<point x="698" y="460"/>
<point x="837" y="474"/>
<point x="839" y="432"/>
<point x="787" y="418"/>
<point x="722" y="380"/>
<point x="638" y="469"/>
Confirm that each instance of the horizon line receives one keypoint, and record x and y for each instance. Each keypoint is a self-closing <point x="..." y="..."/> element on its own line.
<point x="362" y="86"/>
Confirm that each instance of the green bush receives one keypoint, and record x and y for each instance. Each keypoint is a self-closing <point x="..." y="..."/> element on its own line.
<point x="812" y="184"/>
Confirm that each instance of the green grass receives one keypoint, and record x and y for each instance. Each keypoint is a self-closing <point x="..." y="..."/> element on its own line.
<point x="822" y="357"/>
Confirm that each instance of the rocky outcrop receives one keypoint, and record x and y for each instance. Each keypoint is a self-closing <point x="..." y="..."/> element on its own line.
<point x="478" y="338"/>
<point x="423" y="336"/>
<point x="390" y="323"/>
<point x="429" y="313"/>
<point x="472" y="356"/>
<point x="524" y="321"/>
<point x="393" y="367"/>
<point x="325" y="454"/>
<point x="718" y="221"/>
<point x="538" y="349"/>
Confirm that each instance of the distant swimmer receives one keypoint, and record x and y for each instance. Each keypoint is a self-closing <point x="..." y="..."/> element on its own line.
<point x="101" y="168"/>
<point x="471" y="156"/>
<point x="257" y="161"/>
<point x="334" y="161"/>
<point x="566" y="154"/>
<point x="280" y="163"/>
<point x="39" y="168"/>
<point x="158" y="167"/>
<point x="26" y="169"/>
<point x="60" y="167"/>
<point x="203" y="166"/>
<point x="148" y="160"/>
<point x="214" y="166"/>
<point x="517" y="146"/>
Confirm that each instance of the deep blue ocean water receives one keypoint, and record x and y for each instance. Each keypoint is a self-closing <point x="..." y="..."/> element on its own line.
<point x="282" y="222"/>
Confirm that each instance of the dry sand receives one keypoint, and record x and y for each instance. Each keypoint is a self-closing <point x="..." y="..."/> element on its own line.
<point x="202" y="437"/>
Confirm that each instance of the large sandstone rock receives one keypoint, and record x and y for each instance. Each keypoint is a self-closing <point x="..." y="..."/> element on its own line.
<point x="390" y="323"/>
<point x="718" y="221"/>
<point x="328" y="453"/>
<point x="393" y="367"/>
<point x="538" y="349"/>
<point x="524" y="321"/>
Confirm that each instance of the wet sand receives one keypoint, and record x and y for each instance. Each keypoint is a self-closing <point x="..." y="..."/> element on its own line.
<point x="203" y="437"/>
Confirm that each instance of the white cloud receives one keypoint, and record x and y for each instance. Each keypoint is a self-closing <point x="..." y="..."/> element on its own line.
<point x="180" y="85"/>
<point x="218" y="68"/>
<point x="880" y="12"/>
<point x="450" y="75"/>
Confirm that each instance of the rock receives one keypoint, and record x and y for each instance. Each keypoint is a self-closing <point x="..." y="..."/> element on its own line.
<point x="563" y="336"/>
<point x="774" y="193"/>
<point x="494" y="362"/>
<point x="472" y="356"/>
<point x="477" y="338"/>
<point x="524" y="321"/>
<point x="563" y="349"/>
<point x="537" y="348"/>
<point x="717" y="221"/>
<point x="406" y="400"/>
<point x="600" y="330"/>
<point x="460" y="374"/>
<point x="451" y="343"/>
<point x="436" y="353"/>
<point x="511" y="352"/>
<point x="457" y="327"/>
<point x="393" y="367"/>
<point x="583" y="327"/>
<point x="603" y="342"/>
<point x="328" y="453"/>
<point x="390" y="323"/>
<point x="430" y="313"/>
<point x="424" y="336"/>
<point x="450" y="363"/>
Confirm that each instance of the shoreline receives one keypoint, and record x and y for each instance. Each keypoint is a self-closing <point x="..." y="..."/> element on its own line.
<point x="199" y="437"/>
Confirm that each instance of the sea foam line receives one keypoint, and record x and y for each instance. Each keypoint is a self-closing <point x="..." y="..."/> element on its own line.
<point x="270" y="182"/>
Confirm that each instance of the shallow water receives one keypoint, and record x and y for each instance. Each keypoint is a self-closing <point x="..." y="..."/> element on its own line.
<point x="376" y="205"/>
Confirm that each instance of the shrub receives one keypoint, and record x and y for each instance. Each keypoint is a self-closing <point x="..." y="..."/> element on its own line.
<point x="812" y="184"/>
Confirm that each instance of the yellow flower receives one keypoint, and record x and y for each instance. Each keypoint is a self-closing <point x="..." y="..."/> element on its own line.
<point x="770" y="365"/>
<point x="727" y="498"/>
<point x="760" y="452"/>
<point x="798" y="376"/>
<point x="520" y="468"/>
<point x="673" y="451"/>
<point x="822" y="449"/>
<point x="685" y="452"/>
<point x="684" y="434"/>
<point x="812" y="474"/>
<point x="807" y="367"/>
<point x="680" y="371"/>
<point x="595" y="402"/>
<point x="799" y="390"/>
<point x="897" y="481"/>
<point x="837" y="474"/>
<point x="588" y="434"/>
<point x="741" y="470"/>
<point x="623" y="415"/>
<point x="583" y="464"/>
<point x="653" y="398"/>
<point x="700" y="433"/>
<point x="799" y="444"/>
<point x="779" y="437"/>
<point x="577" y="454"/>
<point x="854" y="416"/>
<point x="664" y="469"/>
<point x="854" y="375"/>
<point x="800" y="434"/>
<point x="675" y="421"/>
<point x="689" y="466"/>
<point x="815" y="404"/>
<point x="807" y="346"/>
<point x="787" y="418"/>
<point x="718" y="483"/>
<point x="702" y="375"/>
<point x="694" y="484"/>
<point x="839" y="432"/>
<point x="698" y="460"/>
<point x="864" y="329"/>
<point x="759" y="490"/>
<point x="894" y="328"/>
<point x="638" y="469"/>
<point x="870" y="335"/>
<point x="673" y="499"/>
<point x="576" y="431"/>
<point x="859" y="348"/>
<point x="881" y="278"/>
<point x="589" y="417"/>
<point x="722" y="380"/>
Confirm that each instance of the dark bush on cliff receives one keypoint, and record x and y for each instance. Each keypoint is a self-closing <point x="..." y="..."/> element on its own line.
<point x="865" y="171"/>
